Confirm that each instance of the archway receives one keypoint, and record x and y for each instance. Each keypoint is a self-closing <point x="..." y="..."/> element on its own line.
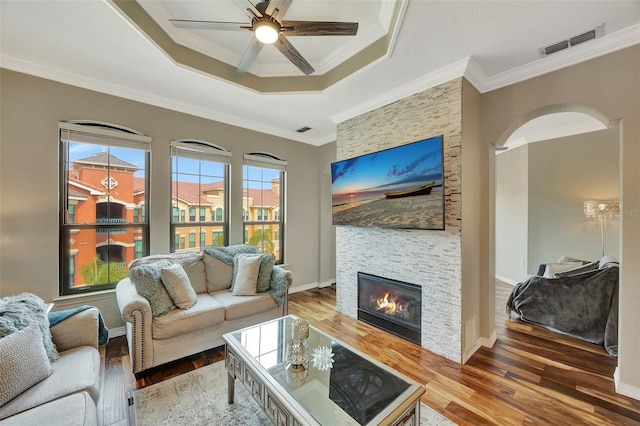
<point x="587" y="120"/>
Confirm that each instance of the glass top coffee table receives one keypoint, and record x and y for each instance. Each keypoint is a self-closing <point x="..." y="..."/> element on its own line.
<point x="354" y="389"/>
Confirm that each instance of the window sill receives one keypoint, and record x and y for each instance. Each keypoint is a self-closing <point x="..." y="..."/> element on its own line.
<point x="94" y="295"/>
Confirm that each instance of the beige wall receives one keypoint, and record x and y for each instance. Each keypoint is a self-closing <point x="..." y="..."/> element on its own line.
<point x="477" y="300"/>
<point x="327" y="261"/>
<point x="512" y="213"/>
<point x="30" y="110"/>
<point x="607" y="87"/>
<point x="563" y="173"/>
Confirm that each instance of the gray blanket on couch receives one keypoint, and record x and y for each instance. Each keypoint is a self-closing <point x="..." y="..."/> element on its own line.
<point x="583" y="305"/>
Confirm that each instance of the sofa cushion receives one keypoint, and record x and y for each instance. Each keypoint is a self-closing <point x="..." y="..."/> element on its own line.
<point x="77" y="409"/>
<point x="243" y="306"/>
<point x="177" y="283"/>
<point x="77" y="370"/>
<point x="191" y="262"/>
<point x="19" y="311"/>
<point x="207" y="312"/>
<point x="147" y="280"/>
<point x="218" y="273"/>
<point x="246" y="268"/>
<point x="264" y="276"/>
<point x="24" y="362"/>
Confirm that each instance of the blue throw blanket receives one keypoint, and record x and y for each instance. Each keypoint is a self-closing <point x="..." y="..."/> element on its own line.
<point x="59" y="316"/>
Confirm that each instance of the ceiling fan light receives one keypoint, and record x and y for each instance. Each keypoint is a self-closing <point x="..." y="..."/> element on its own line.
<point x="266" y="31"/>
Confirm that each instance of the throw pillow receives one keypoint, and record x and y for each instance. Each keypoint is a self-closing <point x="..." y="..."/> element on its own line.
<point x="245" y="278"/>
<point x="177" y="283"/>
<point x="264" y="276"/>
<point x="24" y="362"/>
<point x="553" y="268"/>
<point x="19" y="311"/>
<point x="219" y="274"/>
<point x="567" y="259"/>
<point x="578" y="270"/>
<point x="147" y="280"/>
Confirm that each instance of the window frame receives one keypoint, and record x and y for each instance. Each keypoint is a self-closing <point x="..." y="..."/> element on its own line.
<point x="99" y="134"/>
<point x="266" y="161"/>
<point x="204" y="152"/>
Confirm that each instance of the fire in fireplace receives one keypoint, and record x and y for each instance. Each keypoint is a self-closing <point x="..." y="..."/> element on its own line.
<point x="392" y="305"/>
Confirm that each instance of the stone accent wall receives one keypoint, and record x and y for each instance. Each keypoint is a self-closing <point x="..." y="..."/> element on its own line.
<point x="431" y="259"/>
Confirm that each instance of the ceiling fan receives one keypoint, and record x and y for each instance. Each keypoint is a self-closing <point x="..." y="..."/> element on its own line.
<point x="269" y="27"/>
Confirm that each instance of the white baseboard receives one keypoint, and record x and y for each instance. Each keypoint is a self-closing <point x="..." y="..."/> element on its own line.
<point x="469" y="354"/>
<point x="327" y="283"/>
<point x="506" y="280"/>
<point x="117" y="331"/>
<point x="488" y="342"/>
<point x="305" y="287"/>
<point x="625" y="388"/>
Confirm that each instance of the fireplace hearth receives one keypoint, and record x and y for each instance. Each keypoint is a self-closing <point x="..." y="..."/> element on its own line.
<point x="392" y="305"/>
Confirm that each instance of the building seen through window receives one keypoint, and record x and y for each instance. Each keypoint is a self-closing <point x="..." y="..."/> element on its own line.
<point x="199" y="195"/>
<point x="263" y="199"/>
<point x="103" y="186"/>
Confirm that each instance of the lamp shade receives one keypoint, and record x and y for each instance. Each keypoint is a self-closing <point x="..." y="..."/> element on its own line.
<point x="601" y="210"/>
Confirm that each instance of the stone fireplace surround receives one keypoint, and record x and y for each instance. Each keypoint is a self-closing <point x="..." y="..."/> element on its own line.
<point x="430" y="259"/>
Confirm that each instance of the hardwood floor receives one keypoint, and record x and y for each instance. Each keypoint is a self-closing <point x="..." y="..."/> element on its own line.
<point x="531" y="376"/>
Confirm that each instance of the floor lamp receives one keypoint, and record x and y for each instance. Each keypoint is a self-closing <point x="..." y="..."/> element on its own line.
<point x="602" y="211"/>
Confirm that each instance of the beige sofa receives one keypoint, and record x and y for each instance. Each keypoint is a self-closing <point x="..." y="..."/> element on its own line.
<point x="182" y="332"/>
<point x="70" y="394"/>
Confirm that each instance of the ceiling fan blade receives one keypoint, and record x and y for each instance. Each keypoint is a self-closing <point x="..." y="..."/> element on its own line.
<point x="249" y="55"/>
<point x="292" y="54"/>
<point x="314" y="28"/>
<point x="278" y="8"/>
<point x="249" y="8"/>
<point x="209" y="25"/>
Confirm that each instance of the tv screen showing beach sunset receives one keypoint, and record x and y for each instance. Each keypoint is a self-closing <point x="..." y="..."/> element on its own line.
<point x="399" y="187"/>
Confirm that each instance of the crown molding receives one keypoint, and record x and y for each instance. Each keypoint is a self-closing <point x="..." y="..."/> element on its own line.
<point x="581" y="53"/>
<point x="440" y="76"/>
<point x="474" y="73"/>
<point x="65" y="77"/>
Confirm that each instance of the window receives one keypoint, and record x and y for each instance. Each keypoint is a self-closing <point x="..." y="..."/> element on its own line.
<point x="199" y="182"/>
<point x="136" y="215"/>
<point x="176" y="214"/>
<point x="103" y="174"/>
<point x="263" y="191"/>
<point x="72" y="270"/>
<point x="217" y="238"/>
<point x="72" y="214"/>
<point x="137" y="249"/>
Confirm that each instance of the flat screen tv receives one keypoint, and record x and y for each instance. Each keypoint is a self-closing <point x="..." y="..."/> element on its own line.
<point x="399" y="187"/>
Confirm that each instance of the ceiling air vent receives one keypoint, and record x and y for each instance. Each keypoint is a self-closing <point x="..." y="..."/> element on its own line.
<point x="572" y="41"/>
<point x="303" y="129"/>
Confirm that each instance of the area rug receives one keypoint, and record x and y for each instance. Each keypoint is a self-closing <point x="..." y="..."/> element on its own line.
<point x="200" y="398"/>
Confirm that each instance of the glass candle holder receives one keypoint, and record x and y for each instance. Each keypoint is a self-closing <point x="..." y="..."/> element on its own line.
<point x="296" y="352"/>
<point x="300" y="329"/>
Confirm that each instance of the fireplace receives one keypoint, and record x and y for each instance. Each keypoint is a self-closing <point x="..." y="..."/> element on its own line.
<point x="394" y="306"/>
